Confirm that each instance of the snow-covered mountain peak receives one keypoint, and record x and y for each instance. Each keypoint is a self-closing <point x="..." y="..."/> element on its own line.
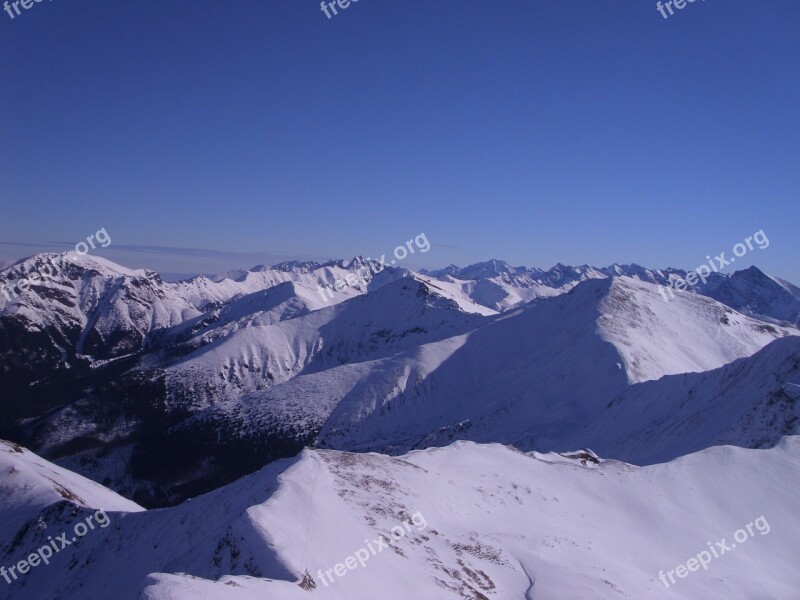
<point x="55" y="266"/>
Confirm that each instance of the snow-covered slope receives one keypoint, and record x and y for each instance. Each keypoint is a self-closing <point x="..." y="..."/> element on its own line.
<point x="475" y="521"/>
<point x="689" y="333"/>
<point x="750" y="402"/>
<point x="533" y="376"/>
<point x="35" y="495"/>
<point x="261" y="353"/>
<point x="30" y="482"/>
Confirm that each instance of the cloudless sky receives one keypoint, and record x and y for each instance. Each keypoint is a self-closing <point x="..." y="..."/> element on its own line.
<point x="535" y="131"/>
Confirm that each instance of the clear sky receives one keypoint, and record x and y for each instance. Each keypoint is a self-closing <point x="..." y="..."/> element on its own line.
<point x="534" y="131"/>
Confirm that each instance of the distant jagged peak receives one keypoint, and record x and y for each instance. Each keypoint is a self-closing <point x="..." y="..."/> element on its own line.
<point x="303" y="266"/>
<point x="481" y="270"/>
<point x="450" y="270"/>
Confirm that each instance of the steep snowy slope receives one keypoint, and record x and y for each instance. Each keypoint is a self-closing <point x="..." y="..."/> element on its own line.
<point x="533" y="376"/>
<point x="91" y="306"/>
<point x="688" y="333"/>
<point x="29" y="482"/>
<point x="35" y="495"/>
<point x="466" y="521"/>
<point x="751" y="402"/>
<point x="396" y="317"/>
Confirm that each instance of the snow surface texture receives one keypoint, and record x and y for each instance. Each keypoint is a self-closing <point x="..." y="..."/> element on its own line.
<point x="497" y="524"/>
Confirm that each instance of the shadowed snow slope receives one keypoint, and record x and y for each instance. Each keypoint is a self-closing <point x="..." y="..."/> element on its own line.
<point x="534" y="376"/>
<point x="30" y="482"/>
<point x="484" y="521"/>
<point x="751" y="402"/>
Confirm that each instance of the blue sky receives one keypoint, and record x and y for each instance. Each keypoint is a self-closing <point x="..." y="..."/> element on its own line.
<point x="534" y="131"/>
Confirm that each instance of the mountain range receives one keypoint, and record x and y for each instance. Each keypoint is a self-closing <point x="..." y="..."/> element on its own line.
<point x="571" y="433"/>
<point x="163" y="390"/>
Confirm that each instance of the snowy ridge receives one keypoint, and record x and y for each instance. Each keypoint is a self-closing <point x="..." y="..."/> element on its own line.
<point x="751" y="402"/>
<point x="499" y="286"/>
<point x="497" y="524"/>
<point x="399" y="316"/>
<point x="31" y="482"/>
